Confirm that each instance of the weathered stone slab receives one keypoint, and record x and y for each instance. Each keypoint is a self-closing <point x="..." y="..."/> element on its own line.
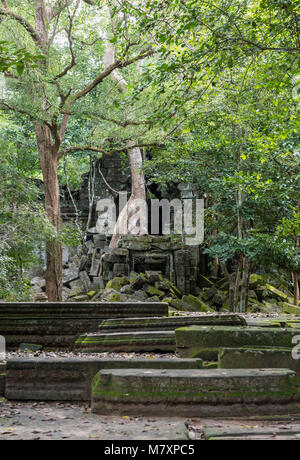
<point x="205" y="341"/>
<point x="127" y="341"/>
<point x="168" y="323"/>
<point x="57" y="325"/>
<point x="195" y="393"/>
<point x="255" y="358"/>
<point x="71" y="379"/>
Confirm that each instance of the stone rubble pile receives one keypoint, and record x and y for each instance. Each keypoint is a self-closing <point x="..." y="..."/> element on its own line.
<point x="263" y="296"/>
<point x="157" y="268"/>
<point x="152" y="286"/>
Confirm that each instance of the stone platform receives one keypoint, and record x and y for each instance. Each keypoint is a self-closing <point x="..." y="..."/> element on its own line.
<point x="146" y="334"/>
<point x="57" y="325"/>
<point x="71" y="379"/>
<point x="195" y="393"/>
<point x="205" y="341"/>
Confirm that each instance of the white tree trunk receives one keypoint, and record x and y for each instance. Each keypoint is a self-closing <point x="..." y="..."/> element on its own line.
<point x="136" y="204"/>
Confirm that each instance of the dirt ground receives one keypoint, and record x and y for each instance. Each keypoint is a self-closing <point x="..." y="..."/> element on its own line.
<point x="58" y="421"/>
<point x="63" y="421"/>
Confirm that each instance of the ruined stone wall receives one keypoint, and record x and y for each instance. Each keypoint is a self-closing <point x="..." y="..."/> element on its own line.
<point x="115" y="170"/>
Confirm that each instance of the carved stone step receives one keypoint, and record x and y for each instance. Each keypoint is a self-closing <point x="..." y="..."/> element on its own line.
<point x="195" y="393"/>
<point x="57" y="325"/>
<point x="102" y="310"/>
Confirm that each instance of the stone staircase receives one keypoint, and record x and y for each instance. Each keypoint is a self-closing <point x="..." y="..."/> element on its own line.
<point x="146" y="334"/>
<point x="70" y="379"/>
<point x="57" y="325"/>
<point x="253" y="371"/>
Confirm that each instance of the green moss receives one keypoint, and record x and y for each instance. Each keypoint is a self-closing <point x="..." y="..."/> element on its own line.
<point x="117" y="283"/>
<point x="195" y="303"/>
<point x="289" y="308"/>
<point x="210" y="365"/>
<point x="234" y="396"/>
<point x="255" y="280"/>
<point x="153" y="291"/>
<point x="276" y="293"/>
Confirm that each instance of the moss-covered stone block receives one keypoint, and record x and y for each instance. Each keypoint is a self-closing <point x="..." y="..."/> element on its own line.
<point x="138" y="282"/>
<point x="258" y="358"/>
<point x="290" y="308"/>
<point x="154" y="299"/>
<point x="117" y="283"/>
<point x="153" y="291"/>
<point x="276" y="293"/>
<point x="194" y="341"/>
<point x="255" y="280"/>
<point x="194" y="392"/>
<point x="194" y="303"/>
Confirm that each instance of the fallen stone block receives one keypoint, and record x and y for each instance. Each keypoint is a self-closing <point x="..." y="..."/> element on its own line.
<point x="127" y="341"/>
<point x="30" y="347"/>
<point x="168" y="323"/>
<point x="205" y="341"/>
<point x="256" y="358"/>
<point x="290" y="308"/>
<point x="71" y="379"/>
<point x="195" y="393"/>
<point x="192" y="303"/>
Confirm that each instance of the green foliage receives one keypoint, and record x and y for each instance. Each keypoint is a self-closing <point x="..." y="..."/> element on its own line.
<point x="216" y="102"/>
<point x="12" y="58"/>
<point x="269" y="250"/>
<point x="70" y="235"/>
<point x="23" y="228"/>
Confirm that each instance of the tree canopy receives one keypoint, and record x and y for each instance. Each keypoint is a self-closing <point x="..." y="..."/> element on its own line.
<point x="207" y="90"/>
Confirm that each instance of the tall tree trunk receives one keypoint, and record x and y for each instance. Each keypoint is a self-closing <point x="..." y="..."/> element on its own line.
<point x="48" y="153"/>
<point x="296" y="288"/>
<point x="238" y="283"/>
<point x="231" y="280"/>
<point x="296" y="280"/>
<point x="49" y="161"/>
<point x="138" y="192"/>
<point x="245" y="286"/>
